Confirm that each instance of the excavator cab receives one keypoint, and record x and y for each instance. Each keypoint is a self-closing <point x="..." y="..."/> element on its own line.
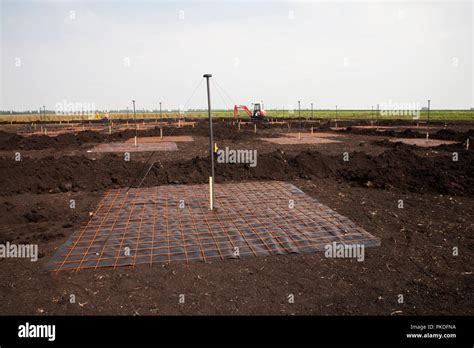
<point x="258" y="111"/>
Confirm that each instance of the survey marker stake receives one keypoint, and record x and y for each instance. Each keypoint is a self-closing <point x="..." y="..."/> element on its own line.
<point x="211" y="143"/>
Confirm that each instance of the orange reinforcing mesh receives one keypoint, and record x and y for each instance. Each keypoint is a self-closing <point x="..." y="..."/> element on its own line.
<point x="173" y="224"/>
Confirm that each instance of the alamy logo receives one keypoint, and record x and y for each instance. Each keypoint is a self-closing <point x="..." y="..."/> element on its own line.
<point x="334" y="250"/>
<point x="28" y="251"/>
<point x="400" y="109"/>
<point x="37" y="331"/>
<point x="75" y="108"/>
<point x="237" y="156"/>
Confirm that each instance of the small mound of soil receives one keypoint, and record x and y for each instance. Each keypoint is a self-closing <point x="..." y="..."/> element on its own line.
<point x="448" y="134"/>
<point x="408" y="133"/>
<point x="398" y="167"/>
<point x="402" y="169"/>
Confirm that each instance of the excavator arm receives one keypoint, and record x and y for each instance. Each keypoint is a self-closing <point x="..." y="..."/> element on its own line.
<point x="243" y="107"/>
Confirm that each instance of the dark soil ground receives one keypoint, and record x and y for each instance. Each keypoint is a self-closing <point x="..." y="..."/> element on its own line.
<point x="415" y="259"/>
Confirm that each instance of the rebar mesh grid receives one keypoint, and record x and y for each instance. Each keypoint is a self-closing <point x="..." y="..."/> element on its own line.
<point x="306" y="134"/>
<point x="173" y="224"/>
<point x="53" y="130"/>
<point x="419" y="126"/>
<point x="130" y="147"/>
<point x="167" y="138"/>
<point x="299" y="140"/>
<point x="423" y="142"/>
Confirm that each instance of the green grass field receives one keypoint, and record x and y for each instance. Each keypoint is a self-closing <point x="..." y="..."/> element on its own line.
<point x="449" y="115"/>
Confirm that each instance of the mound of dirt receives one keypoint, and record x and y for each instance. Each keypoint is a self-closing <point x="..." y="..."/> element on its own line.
<point x="224" y="130"/>
<point x="7" y="138"/>
<point x="448" y="134"/>
<point x="370" y="131"/>
<point x="402" y="169"/>
<point x="443" y="134"/>
<point x="398" y="167"/>
<point x="408" y="133"/>
<point x="221" y="130"/>
<point x="398" y="144"/>
<point x="10" y="141"/>
<point x="310" y="164"/>
<point x="53" y="175"/>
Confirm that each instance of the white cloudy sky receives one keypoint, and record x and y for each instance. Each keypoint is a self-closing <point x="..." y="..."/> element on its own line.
<point x="351" y="53"/>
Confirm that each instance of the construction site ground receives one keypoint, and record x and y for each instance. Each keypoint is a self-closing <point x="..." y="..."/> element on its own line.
<point x="415" y="258"/>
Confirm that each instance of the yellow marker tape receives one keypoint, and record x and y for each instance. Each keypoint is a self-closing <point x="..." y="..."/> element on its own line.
<point x="215" y="147"/>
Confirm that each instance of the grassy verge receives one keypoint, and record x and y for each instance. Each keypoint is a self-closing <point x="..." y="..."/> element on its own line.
<point x="449" y="115"/>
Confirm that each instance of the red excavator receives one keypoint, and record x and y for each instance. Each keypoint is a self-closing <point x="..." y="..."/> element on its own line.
<point x="258" y="112"/>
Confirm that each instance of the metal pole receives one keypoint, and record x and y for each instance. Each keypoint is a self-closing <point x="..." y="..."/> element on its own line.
<point x="211" y="144"/>
<point x="135" y="121"/>
<point x="311" y="110"/>
<point x="133" y="101"/>
<point x="428" y="123"/>
<point x="299" y="112"/>
<point x="44" y="113"/>
<point x="161" y="117"/>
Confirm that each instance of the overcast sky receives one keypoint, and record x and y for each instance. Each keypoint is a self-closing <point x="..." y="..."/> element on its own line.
<point x="351" y="53"/>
